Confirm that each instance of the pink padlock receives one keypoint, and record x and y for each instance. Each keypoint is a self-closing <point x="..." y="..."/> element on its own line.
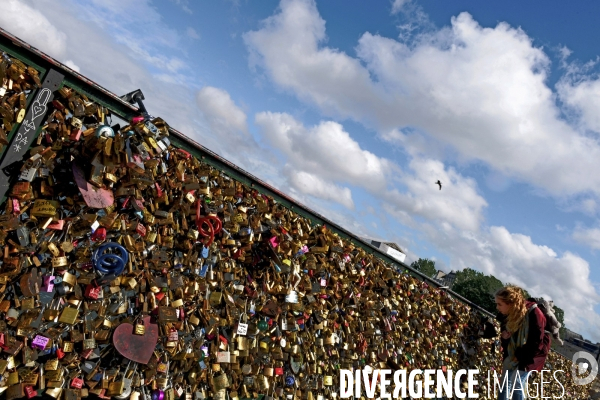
<point x="39" y="342"/>
<point x="57" y="225"/>
<point x="16" y="206"/>
<point x="48" y="284"/>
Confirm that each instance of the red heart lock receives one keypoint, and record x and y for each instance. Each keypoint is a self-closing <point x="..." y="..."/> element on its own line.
<point x="138" y="348"/>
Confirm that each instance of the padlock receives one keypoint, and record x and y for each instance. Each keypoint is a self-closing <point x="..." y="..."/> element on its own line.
<point x="23" y="236"/>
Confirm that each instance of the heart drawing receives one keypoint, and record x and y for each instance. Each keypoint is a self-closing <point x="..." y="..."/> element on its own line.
<point x="37" y="111"/>
<point x="138" y="348"/>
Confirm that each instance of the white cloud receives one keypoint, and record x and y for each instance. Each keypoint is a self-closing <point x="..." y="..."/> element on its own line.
<point x="328" y="152"/>
<point x="481" y="90"/>
<point x="397" y="5"/>
<point x="457" y="203"/>
<point x="325" y="150"/>
<point x="583" y="97"/>
<point x="587" y="236"/>
<point x="221" y="109"/>
<point x="225" y="131"/>
<point x="72" y="65"/>
<point x="191" y="32"/>
<point x="563" y="278"/>
<point x="314" y="185"/>
<point x="30" y="25"/>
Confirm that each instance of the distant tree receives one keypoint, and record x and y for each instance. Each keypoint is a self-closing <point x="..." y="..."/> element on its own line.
<point x="425" y="266"/>
<point x="466" y="274"/>
<point x="478" y="288"/>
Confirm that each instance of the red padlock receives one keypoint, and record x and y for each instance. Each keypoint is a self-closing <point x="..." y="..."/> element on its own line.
<point x="141" y="229"/>
<point x="30" y="392"/>
<point x="92" y="291"/>
<point x="85" y="354"/>
<point x="75" y="135"/>
<point x="99" y="235"/>
<point x="278" y="371"/>
<point x="60" y="354"/>
<point x="77" y="383"/>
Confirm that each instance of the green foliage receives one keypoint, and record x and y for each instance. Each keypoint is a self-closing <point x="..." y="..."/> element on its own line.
<point x="478" y="288"/>
<point x="560" y="315"/>
<point x="466" y="275"/>
<point x="425" y="266"/>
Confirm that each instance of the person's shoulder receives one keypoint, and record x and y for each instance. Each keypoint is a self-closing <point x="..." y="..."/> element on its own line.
<point x="539" y="316"/>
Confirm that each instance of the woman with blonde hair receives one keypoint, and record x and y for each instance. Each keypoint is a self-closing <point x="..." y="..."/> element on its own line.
<point x="525" y="344"/>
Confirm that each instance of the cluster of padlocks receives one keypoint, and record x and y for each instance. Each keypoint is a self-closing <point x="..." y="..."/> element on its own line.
<point x="132" y="269"/>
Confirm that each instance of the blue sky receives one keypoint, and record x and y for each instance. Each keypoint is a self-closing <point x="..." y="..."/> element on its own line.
<point x="356" y="108"/>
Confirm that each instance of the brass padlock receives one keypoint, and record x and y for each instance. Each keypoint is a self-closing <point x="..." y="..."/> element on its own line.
<point x="220" y="381"/>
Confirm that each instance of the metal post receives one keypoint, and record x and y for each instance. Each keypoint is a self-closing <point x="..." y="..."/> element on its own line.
<point x="22" y="140"/>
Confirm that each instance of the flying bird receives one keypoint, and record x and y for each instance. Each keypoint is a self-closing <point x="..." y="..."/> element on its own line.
<point x="439" y="183"/>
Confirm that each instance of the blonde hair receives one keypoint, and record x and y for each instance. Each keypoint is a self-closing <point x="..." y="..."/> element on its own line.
<point x="514" y="297"/>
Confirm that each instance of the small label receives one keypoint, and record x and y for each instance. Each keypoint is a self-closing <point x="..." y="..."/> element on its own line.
<point x="242" y="329"/>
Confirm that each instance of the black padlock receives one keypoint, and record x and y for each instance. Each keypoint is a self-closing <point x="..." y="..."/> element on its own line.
<point x="88" y="366"/>
<point x="60" y="289"/>
<point x="23" y="236"/>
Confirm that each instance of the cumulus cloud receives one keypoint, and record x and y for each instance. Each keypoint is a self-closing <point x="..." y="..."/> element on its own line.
<point x="587" y="236"/>
<point x="326" y="150"/>
<point x="314" y="185"/>
<point x="32" y="26"/>
<point x="566" y="277"/>
<point x="329" y="152"/>
<point x="481" y="90"/>
<point x="225" y="131"/>
<point x="458" y="203"/>
<point x="221" y="110"/>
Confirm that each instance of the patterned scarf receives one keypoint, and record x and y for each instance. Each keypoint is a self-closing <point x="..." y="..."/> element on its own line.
<point x="517" y="339"/>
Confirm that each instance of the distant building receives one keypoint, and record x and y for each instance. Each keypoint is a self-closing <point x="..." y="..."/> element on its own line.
<point x="445" y="279"/>
<point x="389" y="248"/>
<point x="570" y="335"/>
